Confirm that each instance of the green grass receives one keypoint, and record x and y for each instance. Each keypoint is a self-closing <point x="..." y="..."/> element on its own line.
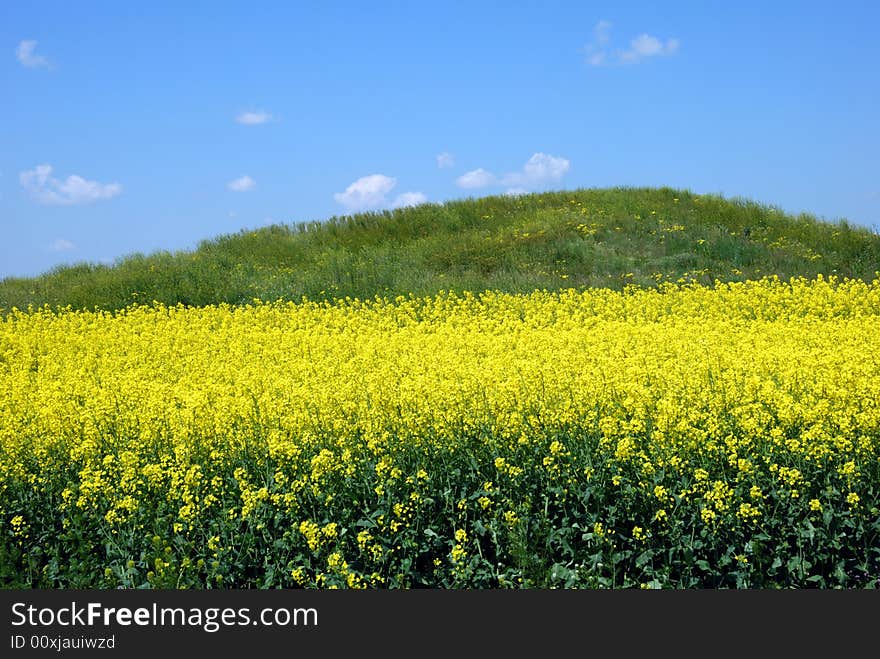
<point x="578" y="238"/>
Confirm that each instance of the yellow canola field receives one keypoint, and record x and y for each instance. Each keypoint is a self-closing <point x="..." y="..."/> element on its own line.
<point x="186" y="408"/>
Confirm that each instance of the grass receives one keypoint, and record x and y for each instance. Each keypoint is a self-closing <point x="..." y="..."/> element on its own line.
<point x="567" y="239"/>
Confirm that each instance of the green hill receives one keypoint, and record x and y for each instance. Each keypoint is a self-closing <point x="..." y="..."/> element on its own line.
<point x="578" y="238"/>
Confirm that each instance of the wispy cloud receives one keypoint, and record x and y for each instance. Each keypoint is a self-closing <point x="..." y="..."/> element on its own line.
<point x="540" y="170"/>
<point x="644" y="46"/>
<point x="61" y="245"/>
<point x="28" y="58"/>
<point x="242" y="184"/>
<point x="73" y="190"/>
<point x="253" y="117"/>
<point x="370" y="192"/>
<point x="477" y="178"/>
<point x="602" y="32"/>
<point x="595" y="51"/>
<point x="445" y="160"/>
<point x="409" y="199"/>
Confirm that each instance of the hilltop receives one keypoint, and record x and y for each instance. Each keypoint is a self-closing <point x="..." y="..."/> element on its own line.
<point x="566" y="239"/>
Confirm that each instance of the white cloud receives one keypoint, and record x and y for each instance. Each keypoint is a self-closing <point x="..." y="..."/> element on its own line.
<point x="367" y="192"/>
<point x="46" y="189"/>
<point x="62" y="245"/>
<point x="540" y="169"/>
<point x="602" y="32"/>
<point x="595" y="50"/>
<point x="243" y="184"/>
<point x="596" y="59"/>
<point x="253" y="117"/>
<point x="371" y="192"/>
<point x="409" y="199"/>
<point x="445" y="160"/>
<point x="515" y="192"/>
<point x="642" y="47"/>
<point x="477" y="178"/>
<point x="28" y="58"/>
<point x="645" y="45"/>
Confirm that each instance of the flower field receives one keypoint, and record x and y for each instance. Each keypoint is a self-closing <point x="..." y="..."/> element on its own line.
<point x="682" y="437"/>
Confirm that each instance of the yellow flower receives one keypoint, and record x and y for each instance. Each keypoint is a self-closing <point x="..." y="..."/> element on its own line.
<point x="299" y="575"/>
<point x="226" y="417"/>
<point x="19" y="526"/>
<point x="748" y="512"/>
<point x="337" y="563"/>
<point x="312" y="533"/>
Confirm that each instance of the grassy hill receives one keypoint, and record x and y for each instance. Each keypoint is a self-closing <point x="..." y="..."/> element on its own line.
<point x="579" y="238"/>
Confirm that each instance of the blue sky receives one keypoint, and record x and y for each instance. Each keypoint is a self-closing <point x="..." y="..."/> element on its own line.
<point x="136" y="127"/>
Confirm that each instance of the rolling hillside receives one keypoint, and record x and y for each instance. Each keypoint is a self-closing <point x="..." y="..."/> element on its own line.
<point x="581" y="238"/>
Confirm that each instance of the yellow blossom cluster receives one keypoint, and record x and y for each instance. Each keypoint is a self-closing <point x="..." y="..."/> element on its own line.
<point x="222" y="411"/>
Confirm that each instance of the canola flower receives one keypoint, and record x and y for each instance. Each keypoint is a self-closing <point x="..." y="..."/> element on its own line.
<point x="457" y="440"/>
